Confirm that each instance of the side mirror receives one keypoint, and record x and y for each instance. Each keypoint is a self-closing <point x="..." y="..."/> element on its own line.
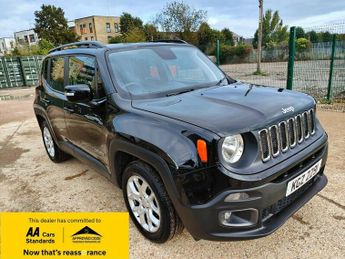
<point x="78" y="93"/>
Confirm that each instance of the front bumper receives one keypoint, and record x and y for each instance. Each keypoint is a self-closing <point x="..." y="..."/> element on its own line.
<point x="273" y="208"/>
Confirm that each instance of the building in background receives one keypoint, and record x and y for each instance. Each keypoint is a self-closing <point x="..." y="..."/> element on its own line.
<point x="249" y="41"/>
<point x="26" y="37"/>
<point x="71" y="25"/>
<point x="237" y="38"/>
<point x="7" y="45"/>
<point x="100" y="28"/>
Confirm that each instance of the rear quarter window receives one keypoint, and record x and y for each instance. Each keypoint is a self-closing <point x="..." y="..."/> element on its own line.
<point x="44" y="71"/>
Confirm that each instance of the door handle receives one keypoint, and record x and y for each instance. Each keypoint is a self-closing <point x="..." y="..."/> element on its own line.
<point x="70" y="110"/>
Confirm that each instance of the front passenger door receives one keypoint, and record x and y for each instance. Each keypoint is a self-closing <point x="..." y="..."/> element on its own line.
<point x="86" y="120"/>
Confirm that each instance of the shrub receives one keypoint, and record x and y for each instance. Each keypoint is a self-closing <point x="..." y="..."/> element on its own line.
<point x="41" y="48"/>
<point x="302" y="44"/>
<point x="116" y="39"/>
<point x="230" y="53"/>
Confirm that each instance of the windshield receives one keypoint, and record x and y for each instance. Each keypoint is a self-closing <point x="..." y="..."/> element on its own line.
<point x="163" y="70"/>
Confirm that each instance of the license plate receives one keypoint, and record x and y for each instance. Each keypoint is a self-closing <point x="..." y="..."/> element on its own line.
<point x="303" y="178"/>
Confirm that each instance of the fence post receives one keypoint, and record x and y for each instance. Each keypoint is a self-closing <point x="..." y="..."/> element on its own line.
<point x="217" y="53"/>
<point x="329" y="90"/>
<point x="291" y="61"/>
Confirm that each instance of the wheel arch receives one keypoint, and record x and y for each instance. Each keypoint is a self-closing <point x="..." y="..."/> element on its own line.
<point x="123" y="152"/>
<point x="41" y="116"/>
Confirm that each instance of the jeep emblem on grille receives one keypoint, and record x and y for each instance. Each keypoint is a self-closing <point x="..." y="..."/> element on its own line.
<point x="288" y="109"/>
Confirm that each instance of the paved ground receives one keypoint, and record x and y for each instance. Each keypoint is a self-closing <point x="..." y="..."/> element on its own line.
<point x="29" y="181"/>
<point x="310" y="76"/>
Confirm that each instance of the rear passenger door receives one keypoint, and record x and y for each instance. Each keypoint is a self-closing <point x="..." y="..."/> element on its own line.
<point x="53" y="97"/>
<point x="86" y="120"/>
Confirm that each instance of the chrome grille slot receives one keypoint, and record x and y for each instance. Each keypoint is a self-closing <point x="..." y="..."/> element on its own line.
<point x="292" y="132"/>
<point x="305" y="125"/>
<point x="312" y="122"/>
<point x="264" y="145"/>
<point x="283" y="136"/>
<point x="299" y="128"/>
<point x="286" y="134"/>
<point x="274" y="137"/>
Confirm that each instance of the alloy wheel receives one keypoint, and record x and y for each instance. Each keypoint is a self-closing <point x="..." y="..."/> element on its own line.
<point x="143" y="203"/>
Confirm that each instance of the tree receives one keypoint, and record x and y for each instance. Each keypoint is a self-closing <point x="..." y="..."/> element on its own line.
<point x="228" y="36"/>
<point x="313" y="36"/>
<point x="129" y="22"/>
<point x="326" y="36"/>
<point x="151" y="32"/>
<point x="206" y="36"/>
<point x="300" y="33"/>
<point x="44" y="47"/>
<point x="273" y="31"/>
<point x="135" y="35"/>
<point x="178" y="17"/>
<point x="51" y="25"/>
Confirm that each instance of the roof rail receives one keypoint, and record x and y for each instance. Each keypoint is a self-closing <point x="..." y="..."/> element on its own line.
<point x="80" y="44"/>
<point x="171" y="41"/>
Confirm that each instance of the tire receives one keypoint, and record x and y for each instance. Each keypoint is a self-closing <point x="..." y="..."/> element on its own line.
<point x="53" y="151"/>
<point x="155" y="207"/>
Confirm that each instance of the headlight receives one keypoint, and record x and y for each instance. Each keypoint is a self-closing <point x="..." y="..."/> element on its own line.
<point x="232" y="148"/>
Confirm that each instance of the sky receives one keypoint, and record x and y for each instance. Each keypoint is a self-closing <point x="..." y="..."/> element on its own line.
<point x="240" y="17"/>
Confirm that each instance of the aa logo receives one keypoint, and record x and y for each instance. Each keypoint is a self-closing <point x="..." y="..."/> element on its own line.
<point x="33" y="233"/>
<point x="86" y="235"/>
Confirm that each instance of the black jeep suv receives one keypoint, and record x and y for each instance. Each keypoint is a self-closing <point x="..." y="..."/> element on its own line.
<point x="188" y="145"/>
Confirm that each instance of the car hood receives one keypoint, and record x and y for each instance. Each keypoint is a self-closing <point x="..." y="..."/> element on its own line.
<point x="230" y="109"/>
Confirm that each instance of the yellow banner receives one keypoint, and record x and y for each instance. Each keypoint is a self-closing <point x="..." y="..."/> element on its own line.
<point x="64" y="235"/>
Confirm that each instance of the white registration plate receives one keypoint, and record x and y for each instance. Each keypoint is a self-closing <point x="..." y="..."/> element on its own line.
<point x="303" y="178"/>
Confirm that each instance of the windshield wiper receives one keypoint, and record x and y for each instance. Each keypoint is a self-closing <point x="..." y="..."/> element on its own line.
<point x="180" y="92"/>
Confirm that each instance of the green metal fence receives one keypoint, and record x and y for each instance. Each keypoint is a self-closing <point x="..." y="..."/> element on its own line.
<point x="320" y="70"/>
<point x="19" y="71"/>
<point x="317" y="69"/>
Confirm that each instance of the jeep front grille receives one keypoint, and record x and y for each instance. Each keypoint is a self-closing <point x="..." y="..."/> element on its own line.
<point x="286" y="134"/>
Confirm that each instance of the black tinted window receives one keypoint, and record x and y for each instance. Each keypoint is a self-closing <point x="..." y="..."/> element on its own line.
<point x="56" y="79"/>
<point x="82" y="70"/>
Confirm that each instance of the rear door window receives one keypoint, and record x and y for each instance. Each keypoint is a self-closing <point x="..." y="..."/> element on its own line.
<point x="56" y="79"/>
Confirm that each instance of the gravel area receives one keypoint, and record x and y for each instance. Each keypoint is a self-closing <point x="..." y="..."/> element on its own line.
<point x="310" y="76"/>
<point x="29" y="181"/>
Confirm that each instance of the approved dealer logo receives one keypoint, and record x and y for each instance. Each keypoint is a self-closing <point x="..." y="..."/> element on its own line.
<point x="86" y="235"/>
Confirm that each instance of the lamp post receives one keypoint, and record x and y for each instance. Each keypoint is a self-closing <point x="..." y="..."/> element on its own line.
<point x="258" y="68"/>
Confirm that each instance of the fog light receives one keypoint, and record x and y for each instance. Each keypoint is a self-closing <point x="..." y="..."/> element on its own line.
<point x="239" y="218"/>
<point x="236" y="197"/>
<point x="227" y="215"/>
